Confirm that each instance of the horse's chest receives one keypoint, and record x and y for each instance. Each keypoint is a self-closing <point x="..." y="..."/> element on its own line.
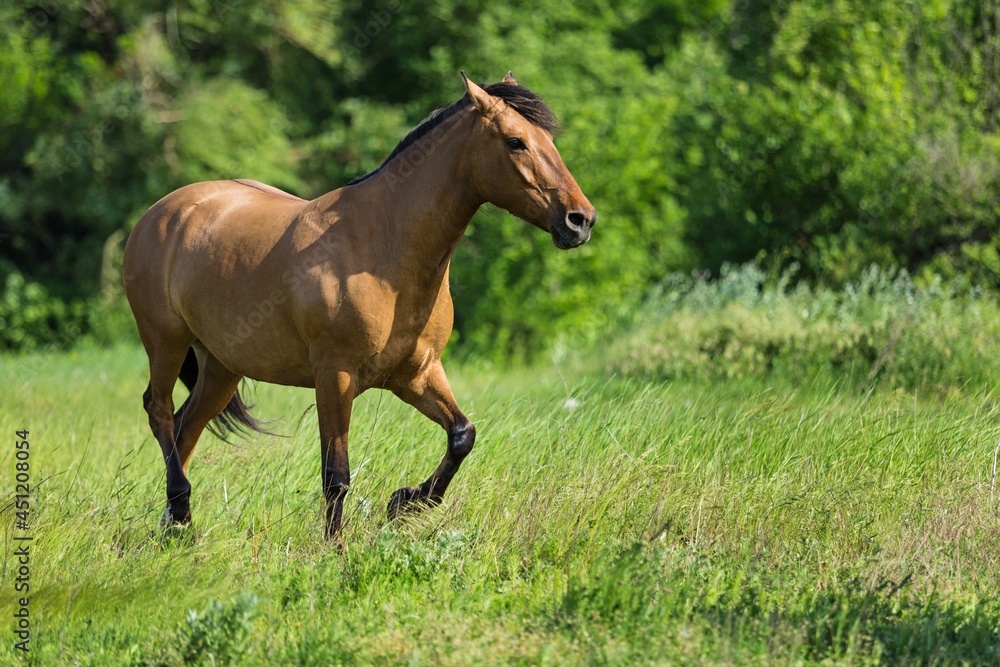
<point x="378" y="327"/>
<point x="386" y="349"/>
<point x="390" y="331"/>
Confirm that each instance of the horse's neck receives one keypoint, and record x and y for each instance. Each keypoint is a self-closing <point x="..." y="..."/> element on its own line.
<point x="422" y="202"/>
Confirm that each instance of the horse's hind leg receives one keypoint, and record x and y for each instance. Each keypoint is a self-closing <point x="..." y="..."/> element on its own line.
<point x="188" y="376"/>
<point x="210" y="395"/>
<point x="431" y="395"/>
<point x="165" y="359"/>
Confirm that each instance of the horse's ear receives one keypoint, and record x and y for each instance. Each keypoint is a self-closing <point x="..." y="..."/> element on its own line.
<point x="509" y="78"/>
<point x="484" y="102"/>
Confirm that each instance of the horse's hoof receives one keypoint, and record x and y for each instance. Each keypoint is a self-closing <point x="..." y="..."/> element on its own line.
<point x="403" y="501"/>
<point x="337" y="542"/>
<point x="409" y="500"/>
<point x="170" y="520"/>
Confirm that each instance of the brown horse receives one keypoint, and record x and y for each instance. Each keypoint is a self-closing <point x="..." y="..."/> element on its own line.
<point x="349" y="291"/>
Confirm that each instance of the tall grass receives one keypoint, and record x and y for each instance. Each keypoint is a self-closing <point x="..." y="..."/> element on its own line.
<point x="600" y="520"/>
<point x="882" y="329"/>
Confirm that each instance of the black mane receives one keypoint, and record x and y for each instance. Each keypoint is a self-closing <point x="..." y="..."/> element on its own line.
<point x="522" y="100"/>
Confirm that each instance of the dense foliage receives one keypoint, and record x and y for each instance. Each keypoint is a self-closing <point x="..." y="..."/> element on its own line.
<point x="830" y="134"/>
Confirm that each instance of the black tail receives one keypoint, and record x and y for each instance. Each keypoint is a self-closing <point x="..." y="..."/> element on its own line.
<point x="235" y="418"/>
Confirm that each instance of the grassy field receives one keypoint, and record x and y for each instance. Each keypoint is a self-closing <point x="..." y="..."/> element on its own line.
<point x="599" y="520"/>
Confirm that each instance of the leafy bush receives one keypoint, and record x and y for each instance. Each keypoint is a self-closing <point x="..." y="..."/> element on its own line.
<point x="30" y="317"/>
<point x="221" y="633"/>
<point x="881" y="328"/>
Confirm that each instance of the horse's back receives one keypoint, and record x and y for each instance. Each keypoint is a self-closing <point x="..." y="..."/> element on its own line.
<point x="210" y="214"/>
<point x="206" y="198"/>
<point x="201" y="250"/>
<point x="269" y="189"/>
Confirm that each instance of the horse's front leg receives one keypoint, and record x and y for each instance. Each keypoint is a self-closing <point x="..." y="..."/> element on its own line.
<point x="430" y="393"/>
<point x="335" y="392"/>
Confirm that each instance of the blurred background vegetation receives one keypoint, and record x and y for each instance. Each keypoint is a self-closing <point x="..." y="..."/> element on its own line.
<point x="824" y="135"/>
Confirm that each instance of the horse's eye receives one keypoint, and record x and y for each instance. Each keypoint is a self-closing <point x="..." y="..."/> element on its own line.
<point x="516" y="144"/>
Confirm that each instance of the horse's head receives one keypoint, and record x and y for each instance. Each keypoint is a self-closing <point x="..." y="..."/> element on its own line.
<point x="516" y="166"/>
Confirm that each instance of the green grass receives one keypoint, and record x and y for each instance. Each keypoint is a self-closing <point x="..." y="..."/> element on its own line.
<point x="882" y="329"/>
<point x="598" y="521"/>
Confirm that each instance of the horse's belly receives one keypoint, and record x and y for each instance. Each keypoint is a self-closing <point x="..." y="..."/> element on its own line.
<point x="256" y="340"/>
<point x="280" y="366"/>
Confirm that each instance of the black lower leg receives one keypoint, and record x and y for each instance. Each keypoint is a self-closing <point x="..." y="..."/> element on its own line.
<point x="178" y="488"/>
<point x="335" y="486"/>
<point x="335" y="510"/>
<point x="178" y="491"/>
<point x="461" y="439"/>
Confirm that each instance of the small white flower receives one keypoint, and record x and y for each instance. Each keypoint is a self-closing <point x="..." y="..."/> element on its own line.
<point x="572" y="404"/>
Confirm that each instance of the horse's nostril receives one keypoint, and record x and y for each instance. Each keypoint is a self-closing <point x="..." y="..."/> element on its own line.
<point x="576" y="220"/>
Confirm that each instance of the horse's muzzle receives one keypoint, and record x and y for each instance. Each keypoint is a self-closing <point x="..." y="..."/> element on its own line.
<point x="573" y="229"/>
